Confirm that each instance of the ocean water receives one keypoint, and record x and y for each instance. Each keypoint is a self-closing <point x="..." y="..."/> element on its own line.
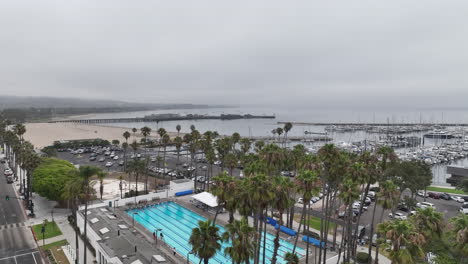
<point x="263" y="127"/>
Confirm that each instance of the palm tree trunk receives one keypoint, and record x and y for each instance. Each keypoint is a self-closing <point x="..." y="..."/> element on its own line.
<point x="85" y="225"/>
<point x="356" y="229"/>
<point x="308" y="229"/>
<point x="377" y="244"/>
<point x="372" y="228"/>
<point x="264" y="239"/>
<point x="276" y="241"/>
<point x="300" y="225"/>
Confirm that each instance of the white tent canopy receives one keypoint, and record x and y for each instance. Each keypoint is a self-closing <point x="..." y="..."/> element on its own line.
<point x="206" y="198"/>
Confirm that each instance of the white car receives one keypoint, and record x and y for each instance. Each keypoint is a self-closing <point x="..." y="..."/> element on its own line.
<point x="422" y="194"/>
<point x="109" y="164"/>
<point x="397" y="216"/>
<point x="138" y="155"/>
<point x="464" y="209"/>
<point x="8" y="172"/>
<point x="424" y="205"/>
<point x="116" y="157"/>
<point x="458" y="199"/>
<point x="218" y="162"/>
<point x="301" y="201"/>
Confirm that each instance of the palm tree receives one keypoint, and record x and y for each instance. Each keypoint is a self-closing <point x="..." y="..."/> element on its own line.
<point x="307" y="184"/>
<point x="428" y="222"/>
<point x="287" y="127"/>
<point x="205" y="240"/>
<point x="161" y="133"/>
<point x="279" y="131"/>
<point x="291" y="258"/>
<point x="387" y="199"/>
<point x="282" y="187"/>
<point x="126" y="135"/>
<point x="73" y="191"/>
<point x="83" y="176"/>
<point x="178" y="145"/>
<point x="136" y="166"/>
<point x="101" y="175"/>
<point x="134" y="130"/>
<point x="459" y="231"/>
<point x="225" y="189"/>
<point x="178" y="128"/>
<point x="242" y="238"/>
<point x="405" y="241"/>
<point x="166" y="139"/>
<point x="230" y="161"/>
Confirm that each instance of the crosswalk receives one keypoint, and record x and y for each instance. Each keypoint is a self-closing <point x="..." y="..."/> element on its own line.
<point x="2" y="227"/>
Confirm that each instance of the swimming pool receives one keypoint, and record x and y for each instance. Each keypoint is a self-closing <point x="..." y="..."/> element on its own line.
<point x="177" y="223"/>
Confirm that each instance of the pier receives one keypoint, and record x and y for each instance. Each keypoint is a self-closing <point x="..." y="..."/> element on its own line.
<point x="158" y="119"/>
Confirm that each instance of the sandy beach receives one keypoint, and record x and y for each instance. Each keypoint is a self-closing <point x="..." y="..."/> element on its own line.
<point x="44" y="134"/>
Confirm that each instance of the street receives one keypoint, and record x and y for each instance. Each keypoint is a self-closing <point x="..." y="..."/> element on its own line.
<point x="17" y="243"/>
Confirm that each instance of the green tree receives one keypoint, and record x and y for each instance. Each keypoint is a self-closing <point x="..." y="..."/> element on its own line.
<point x="282" y="188"/>
<point x="51" y="176"/>
<point x="405" y="241"/>
<point x="428" y="222"/>
<point x="459" y="233"/>
<point x="291" y="258"/>
<point x="242" y="238"/>
<point x="205" y="240"/>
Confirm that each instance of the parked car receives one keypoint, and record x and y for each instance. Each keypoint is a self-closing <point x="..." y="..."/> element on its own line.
<point x="458" y="199"/>
<point x="218" y="162"/>
<point x="403" y="207"/>
<point x="116" y="157"/>
<point x="109" y="164"/>
<point x="200" y="178"/>
<point x="464" y="209"/>
<point x="397" y="216"/>
<point x="102" y="159"/>
<point x="424" y="205"/>
<point x="422" y="194"/>
<point x="92" y="158"/>
<point x="8" y="172"/>
<point x="121" y="163"/>
<point x="445" y="196"/>
<point x="434" y="195"/>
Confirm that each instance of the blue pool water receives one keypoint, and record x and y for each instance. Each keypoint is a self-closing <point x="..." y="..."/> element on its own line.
<point x="177" y="223"/>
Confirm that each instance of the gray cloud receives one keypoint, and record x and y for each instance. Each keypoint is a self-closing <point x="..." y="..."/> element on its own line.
<point x="236" y="51"/>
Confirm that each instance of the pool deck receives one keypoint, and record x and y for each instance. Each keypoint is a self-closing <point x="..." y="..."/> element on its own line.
<point x="222" y="219"/>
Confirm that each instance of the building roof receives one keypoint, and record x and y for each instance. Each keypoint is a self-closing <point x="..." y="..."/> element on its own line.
<point x="118" y="240"/>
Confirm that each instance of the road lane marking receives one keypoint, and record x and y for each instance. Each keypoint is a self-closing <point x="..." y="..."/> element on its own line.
<point x="34" y="258"/>
<point x="20" y="255"/>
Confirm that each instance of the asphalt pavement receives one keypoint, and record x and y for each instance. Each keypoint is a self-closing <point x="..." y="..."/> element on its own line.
<point x="17" y="243"/>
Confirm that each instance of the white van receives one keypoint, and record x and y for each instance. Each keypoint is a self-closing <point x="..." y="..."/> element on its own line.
<point x="424" y="205"/>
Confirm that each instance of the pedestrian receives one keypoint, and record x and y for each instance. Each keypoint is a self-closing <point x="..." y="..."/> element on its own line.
<point x="154" y="235"/>
<point x="161" y="236"/>
<point x="174" y="251"/>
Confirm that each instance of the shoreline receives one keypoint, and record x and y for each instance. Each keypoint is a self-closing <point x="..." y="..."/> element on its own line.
<point x="44" y="134"/>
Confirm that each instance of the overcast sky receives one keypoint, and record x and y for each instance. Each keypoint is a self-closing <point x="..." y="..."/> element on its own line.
<point x="242" y="51"/>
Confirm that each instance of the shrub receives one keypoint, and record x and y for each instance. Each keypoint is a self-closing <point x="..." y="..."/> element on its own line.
<point x="362" y="258"/>
<point x="50" y="177"/>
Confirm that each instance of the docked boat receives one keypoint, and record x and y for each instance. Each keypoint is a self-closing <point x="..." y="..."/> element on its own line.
<point x="442" y="134"/>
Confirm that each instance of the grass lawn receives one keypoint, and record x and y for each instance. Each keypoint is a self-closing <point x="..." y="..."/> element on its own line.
<point x="314" y="222"/>
<point x="51" y="230"/>
<point x="55" y="244"/>
<point x="446" y="190"/>
<point x="55" y="253"/>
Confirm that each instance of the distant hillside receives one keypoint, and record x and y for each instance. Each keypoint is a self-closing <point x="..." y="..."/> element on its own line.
<point x="25" y="109"/>
<point x="54" y="102"/>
